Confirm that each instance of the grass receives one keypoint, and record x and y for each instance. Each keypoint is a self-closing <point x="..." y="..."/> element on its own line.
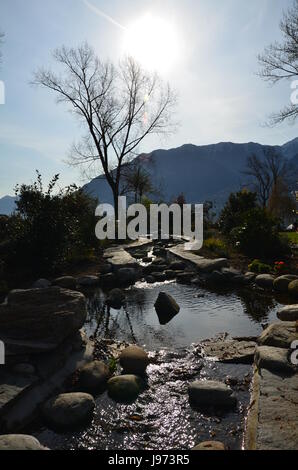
<point x="291" y="236"/>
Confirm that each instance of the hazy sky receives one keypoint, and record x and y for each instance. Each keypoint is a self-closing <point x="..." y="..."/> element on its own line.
<point x="211" y="62"/>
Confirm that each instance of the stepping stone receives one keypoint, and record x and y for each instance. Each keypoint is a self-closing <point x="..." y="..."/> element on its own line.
<point x="211" y="393"/>
<point x="68" y="410"/>
<point x="273" y="359"/>
<point x="19" y="442"/>
<point x="231" y="351"/>
<point x="279" y="335"/>
<point x="125" y="388"/>
<point x="93" y="377"/>
<point x="134" y="360"/>
<point x="288" y="313"/>
<point x="210" y="445"/>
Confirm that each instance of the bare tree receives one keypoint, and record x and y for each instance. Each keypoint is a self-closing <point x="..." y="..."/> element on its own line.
<point x="266" y="172"/>
<point x="137" y="180"/>
<point x="119" y="106"/>
<point x="279" y="61"/>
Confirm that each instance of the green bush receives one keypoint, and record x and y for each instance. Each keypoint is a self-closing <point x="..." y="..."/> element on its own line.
<point x="258" y="267"/>
<point x="235" y="209"/>
<point x="215" y="245"/>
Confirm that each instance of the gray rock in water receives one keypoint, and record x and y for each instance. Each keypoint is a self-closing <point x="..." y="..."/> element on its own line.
<point x="170" y="274"/>
<point x="134" y="360"/>
<point x="105" y="268"/>
<point x="166" y="308"/>
<point x="274" y="359"/>
<point x="281" y="283"/>
<point x="116" y="299"/>
<point x="159" y="277"/>
<point x="293" y="289"/>
<point x="279" y="335"/>
<point x="108" y="280"/>
<point x="288" y="313"/>
<point x="249" y="276"/>
<point x="68" y="410"/>
<point x="127" y="276"/>
<point x="66" y="282"/>
<point x="88" y="281"/>
<point x="41" y="284"/>
<point x="265" y="281"/>
<point x="185" y="278"/>
<point x="93" y="377"/>
<point x="211" y="393"/>
<point x="125" y="388"/>
<point x="177" y="266"/>
<point x="38" y="320"/>
<point x="209" y="265"/>
<point x="210" y="445"/>
<point x="20" y="442"/>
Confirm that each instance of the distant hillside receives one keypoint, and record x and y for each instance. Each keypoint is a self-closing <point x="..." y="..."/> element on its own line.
<point x="209" y="172"/>
<point x="7" y="205"/>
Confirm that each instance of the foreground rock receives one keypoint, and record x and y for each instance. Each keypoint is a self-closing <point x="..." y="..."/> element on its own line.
<point x="68" y="410"/>
<point x="231" y="351"/>
<point x="166" y="308"/>
<point x="93" y="377"/>
<point x="19" y="442"/>
<point x="210" y="445"/>
<point x="288" y="313"/>
<point x="279" y="335"/>
<point x="281" y="284"/>
<point x="265" y="281"/>
<point x="38" y="320"/>
<point x="293" y="289"/>
<point x="125" y="388"/>
<point x="116" y="298"/>
<point x="211" y="393"/>
<point x="134" y="360"/>
<point x="274" y="359"/>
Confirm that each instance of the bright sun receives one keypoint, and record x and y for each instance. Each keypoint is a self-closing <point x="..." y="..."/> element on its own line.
<point x="153" y="42"/>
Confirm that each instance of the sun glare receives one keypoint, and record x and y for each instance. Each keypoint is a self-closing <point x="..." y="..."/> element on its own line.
<point x="153" y="42"/>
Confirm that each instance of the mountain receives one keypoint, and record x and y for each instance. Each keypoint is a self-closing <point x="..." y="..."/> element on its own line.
<point x="7" y="205"/>
<point x="209" y="172"/>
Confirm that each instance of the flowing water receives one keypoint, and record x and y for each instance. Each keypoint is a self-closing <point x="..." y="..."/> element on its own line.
<point x="161" y="418"/>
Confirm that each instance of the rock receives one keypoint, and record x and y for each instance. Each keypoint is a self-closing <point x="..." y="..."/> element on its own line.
<point x="147" y="259"/>
<point x="209" y="265"/>
<point x="105" y="268"/>
<point x="210" y="445"/>
<point x="231" y="351"/>
<point x="116" y="299"/>
<point x="185" y="278"/>
<point x="274" y="359"/>
<point x="150" y="279"/>
<point x="293" y="289"/>
<point x="68" y="410"/>
<point x="88" y="281"/>
<point x="19" y="442"/>
<point x="159" y="261"/>
<point x="211" y="393"/>
<point x="230" y="273"/>
<point x="93" y="377"/>
<point x="38" y="320"/>
<point x="41" y="284"/>
<point x="288" y="313"/>
<point x="279" y="335"/>
<point x="154" y="268"/>
<point x="265" y="281"/>
<point x="24" y="369"/>
<point x="249" y="276"/>
<point x="66" y="282"/>
<point x="125" y="388"/>
<point x="170" y="274"/>
<point x="159" y="277"/>
<point x="281" y="283"/>
<point x="127" y="276"/>
<point x="166" y="308"/>
<point x="177" y="266"/>
<point x="216" y="277"/>
<point x="107" y="280"/>
<point x="134" y="360"/>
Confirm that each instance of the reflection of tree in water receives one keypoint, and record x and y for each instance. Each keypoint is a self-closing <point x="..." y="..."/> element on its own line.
<point x="257" y="305"/>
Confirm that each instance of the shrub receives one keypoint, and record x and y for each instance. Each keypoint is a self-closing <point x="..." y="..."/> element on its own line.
<point x="260" y="268"/>
<point x="234" y="211"/>
<point x="215" y="245"/>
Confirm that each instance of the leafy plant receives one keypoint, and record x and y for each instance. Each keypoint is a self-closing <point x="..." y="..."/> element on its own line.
<point x="258" y="267"/>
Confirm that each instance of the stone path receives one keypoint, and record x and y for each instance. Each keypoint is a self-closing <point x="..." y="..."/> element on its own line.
<point x="119" y="258"/>
<point x="200" y="263"/>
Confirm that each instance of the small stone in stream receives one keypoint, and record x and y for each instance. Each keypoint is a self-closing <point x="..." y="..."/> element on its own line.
<point x="116" y="298"/>
<point x="41" y="284"/>
<point x="166" y="308"/>
<point x="68" y="410"/>
<point x="293" y="289"/>
<point x="281" y="283"/>
<point x="24" y="369"/>
<point x="134" y="360"/>
<point x="88" y="281"/>
<point x="147" y="259"/>
<point x="107" y="280"/>
<point x="210" y="445"/>
<point x="279" y="335"/>
<point x="158" y="261"/>
<point x="126" y="276"/>
<point x="105" y="269"/>
<point x="249" y="276"/>
<point x="19" y="442"/>
<point x="288" y="313"/>
<point x="231" y="351"/>
<point x="273" y="359"/>
<point x="159" y="277"/>
<point x="204" y="393"/>
<point x="66" y="282"/>
<point x="93" y="377"/>
<point x="177" y="266"/>
<point x="170" y="275"/>
<point x="265" y="281"/>
<point x="150" y="279"/>
<point x="185" y="278"/>
<point x="125" y="388"/>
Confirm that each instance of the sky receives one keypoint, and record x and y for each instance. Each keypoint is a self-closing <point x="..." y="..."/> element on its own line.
<point x="208" y="53"/>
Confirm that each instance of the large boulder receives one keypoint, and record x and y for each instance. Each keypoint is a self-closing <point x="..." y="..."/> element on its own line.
<point x="208" y="265"/>
<point x="273" y="359"/>
<point x="288" y="313"/>
<point x="134" y="360"/>
<point x="166" y="308"/>
<point x="265" y="281"/>
<point x="68" y="410"/>
<point x="93" y="377"/>
<point x="211" y="393"/>
<point x="38" y="320"/>
<point x="279" y="335"/>
<point x="66" y="282"/>
<point x="19" y="442"/>
<point x="293" y="289"/>
<point x="281" y="283"/>
<point x="116" y="299"/>
<point x="125" y="388"/>
<point x="210" y="445"/>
